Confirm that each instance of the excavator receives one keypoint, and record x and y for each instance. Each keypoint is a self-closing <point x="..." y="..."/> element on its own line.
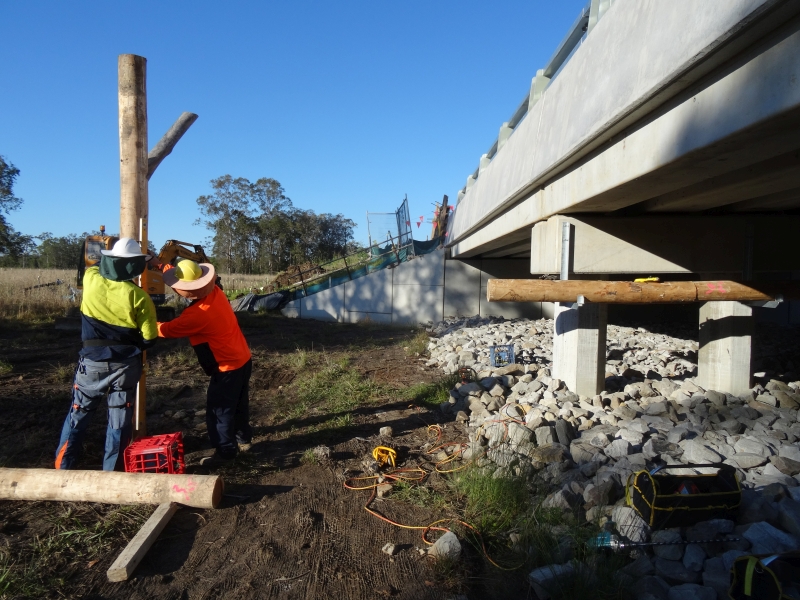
<point x="151" y="280"/>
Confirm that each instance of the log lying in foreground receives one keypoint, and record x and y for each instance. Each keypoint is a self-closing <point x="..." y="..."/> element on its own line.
<point x="110" y="487"/>
<point x="628" y="292"/>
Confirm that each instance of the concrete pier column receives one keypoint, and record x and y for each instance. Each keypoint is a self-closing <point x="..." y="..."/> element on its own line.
<point x="579" y="347"/>
<point x="724" y="360"/>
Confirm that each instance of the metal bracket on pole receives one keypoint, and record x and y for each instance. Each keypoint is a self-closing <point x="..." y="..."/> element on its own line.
<point x="568" y="258"/>
<point x="567" y="249"/>
<point x="766" y="303"/>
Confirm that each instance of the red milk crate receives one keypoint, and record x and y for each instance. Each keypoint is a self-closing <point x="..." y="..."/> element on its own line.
<point x="156" y="454"/>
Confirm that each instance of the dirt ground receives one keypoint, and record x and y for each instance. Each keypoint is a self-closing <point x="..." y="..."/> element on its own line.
<point x="287" y="528"/>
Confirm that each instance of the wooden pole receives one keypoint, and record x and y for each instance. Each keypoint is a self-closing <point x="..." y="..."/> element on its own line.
<point x="132" y="143"/>
<point x="133" y="171"/>
<point x="628" y="292"/>
<point x="134" y="552"/>
<point x="110" y="487"/>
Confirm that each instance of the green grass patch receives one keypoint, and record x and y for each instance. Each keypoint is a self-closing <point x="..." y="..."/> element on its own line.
<point x="419" y="495"/>
<point x="5" y="367"/>
<point x="490" y="503"/>
<point x="72" y="543"/>
<point x="309" y="457"/>
<point x="178" y="359"/>
<point x="418" y="345"/>
<point x="431" y="395"/>
<point x="62" y="373"/>
<point x="337" y="387"/>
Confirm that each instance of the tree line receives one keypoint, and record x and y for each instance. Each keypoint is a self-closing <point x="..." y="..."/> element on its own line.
<point x="255" y="229"/>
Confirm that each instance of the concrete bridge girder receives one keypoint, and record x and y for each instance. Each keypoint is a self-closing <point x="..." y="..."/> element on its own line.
<point x="724" y="141"/>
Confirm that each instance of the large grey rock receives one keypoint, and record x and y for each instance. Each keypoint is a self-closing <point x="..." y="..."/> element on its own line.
<point x="550" y="453"/>
<point x="746" y="460"/>
<point x="565" y="432"/>
<point x="639" y="426"/>
<point x="599" y="439"/>
<point x="750" y="446"/>
<point x="470" y="388"/>
<point x="618" y="449"/>
<point x="792" y="452"/>
<point x="674" y="572"/>
<point x="711" y="530"/>
<point x="641" y="567"/>
<point x="497" y="390"/>
<point x="787" y="466"/>
<point x="446" y="547"/>
<point x="598" y="494"/>
<point x="582" y="452"/>
<point x="657" y="446"/>
<point x="716" y="398"/>
<point x="652" y="588"/>
<point x="789" y="516"/>
<point x="694" y="557"/>
<point x="696" y="452"/>
<point x="674" y="549"/>
<point x="766" y="539"/>
<point x="755" y="508"/>
<point x="563" y="499"/>
<point x="630" y="525"/>
<point x="634" y="437"/>
<point x="729" y="557"/>
<point x="519" y="434"/>
<point x="787" y="400"/>
<point x="546" y="578"/>
<point x="656" y="408"/>
<point x="717" y="577"/>
<point x="767" y="400"/>
<point x="692" y="591"/>
<point x="545" y="435"/>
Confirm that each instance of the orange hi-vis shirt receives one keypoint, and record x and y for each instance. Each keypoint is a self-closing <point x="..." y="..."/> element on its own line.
<point x="213" y="331"/>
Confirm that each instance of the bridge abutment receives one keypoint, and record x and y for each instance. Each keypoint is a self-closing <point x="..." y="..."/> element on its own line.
<point x="724" y="359"/>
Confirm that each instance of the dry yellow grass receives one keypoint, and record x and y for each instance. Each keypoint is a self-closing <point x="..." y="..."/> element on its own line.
<point x="241" y="282"/>
<point x="35" y="304"/>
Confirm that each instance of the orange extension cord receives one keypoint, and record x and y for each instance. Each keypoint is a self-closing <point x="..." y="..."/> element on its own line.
<point x="418" y="475"/>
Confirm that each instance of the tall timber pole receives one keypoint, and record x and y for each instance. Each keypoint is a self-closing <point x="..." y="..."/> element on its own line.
<point x="133" y="175"/>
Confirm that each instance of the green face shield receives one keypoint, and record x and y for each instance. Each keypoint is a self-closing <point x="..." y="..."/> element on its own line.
<point x="122" y="269"/>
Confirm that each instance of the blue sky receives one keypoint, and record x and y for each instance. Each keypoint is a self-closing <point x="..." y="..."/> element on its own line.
<point x="350" y="105"/>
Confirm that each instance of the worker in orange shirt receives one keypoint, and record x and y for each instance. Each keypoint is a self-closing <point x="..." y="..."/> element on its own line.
<point x="213" y="331"/>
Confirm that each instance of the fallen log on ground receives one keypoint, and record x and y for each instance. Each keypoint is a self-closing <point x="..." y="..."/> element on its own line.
<point x="630" y="292"/>
<point x="110" y="487"/>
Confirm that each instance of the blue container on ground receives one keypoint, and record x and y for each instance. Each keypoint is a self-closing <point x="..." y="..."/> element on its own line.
<point x="501" y="355"/>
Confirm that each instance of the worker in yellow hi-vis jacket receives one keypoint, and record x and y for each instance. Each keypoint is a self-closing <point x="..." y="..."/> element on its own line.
<point x="118" y="321"/>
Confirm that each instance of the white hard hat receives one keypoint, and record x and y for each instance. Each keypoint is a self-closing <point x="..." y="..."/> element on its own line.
<point x="125" y="248"/>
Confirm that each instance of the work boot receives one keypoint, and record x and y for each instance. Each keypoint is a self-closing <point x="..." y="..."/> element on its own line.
<point x="244" y="443"/>
<point x="216" y="460"/>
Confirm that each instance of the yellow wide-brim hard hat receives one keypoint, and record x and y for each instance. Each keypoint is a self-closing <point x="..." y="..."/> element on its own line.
<point x="190" y="276"/>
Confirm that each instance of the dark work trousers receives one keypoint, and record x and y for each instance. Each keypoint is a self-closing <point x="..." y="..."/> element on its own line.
<point x="93" y="382"/>
<point x="228" y="409"/>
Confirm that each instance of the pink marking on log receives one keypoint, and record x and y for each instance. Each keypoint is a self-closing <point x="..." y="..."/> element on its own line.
<point x="187" y="491"/>
<point x="715" y="287"/>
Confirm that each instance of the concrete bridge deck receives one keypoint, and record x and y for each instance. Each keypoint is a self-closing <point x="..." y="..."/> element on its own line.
<point x="667" y="143"/>
<point x="685" y="108"/>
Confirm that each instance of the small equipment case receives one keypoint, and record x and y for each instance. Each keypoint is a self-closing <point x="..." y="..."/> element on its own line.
<point x="665" y="500"/>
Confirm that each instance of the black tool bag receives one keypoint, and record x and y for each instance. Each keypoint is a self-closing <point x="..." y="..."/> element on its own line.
<point x="775" y="577"/>
<point x="664" y="500"/>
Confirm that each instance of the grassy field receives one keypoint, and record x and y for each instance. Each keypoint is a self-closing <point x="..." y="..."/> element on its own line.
<point x="19" y="302"/>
